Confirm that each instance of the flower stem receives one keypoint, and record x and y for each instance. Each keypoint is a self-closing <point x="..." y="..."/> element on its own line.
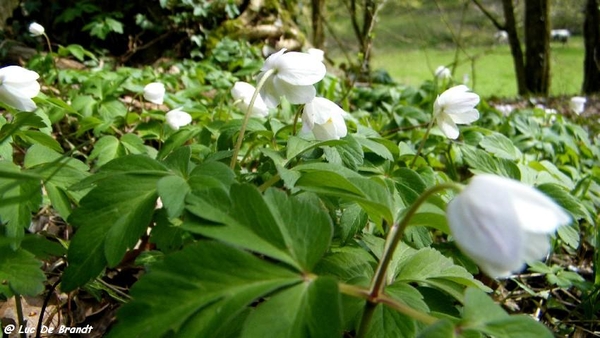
<point x="51" y="56"/>
<point x="375" y="293"/>
<point x="240" y="139"/>
<point x="20" y="317"/>
<point x="429" y="126"/>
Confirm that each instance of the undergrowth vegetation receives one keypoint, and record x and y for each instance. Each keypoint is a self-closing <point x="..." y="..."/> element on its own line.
<point x="103" y="200"/>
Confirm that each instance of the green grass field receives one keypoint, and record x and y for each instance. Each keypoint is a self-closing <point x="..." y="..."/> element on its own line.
<point x="490" y="70"/>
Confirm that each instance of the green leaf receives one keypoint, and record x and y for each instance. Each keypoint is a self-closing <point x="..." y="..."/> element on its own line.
<point x="430" y="267"/>
<point x="21" y="271"/>
<point x="390" y="323"/>
<point x="133" y="144"/>
<point x="36" y="137"/>
<point x="501" y="146"/>
<point x="198" y="292"/>
<point x="297" y="146"/>
<point x="482" y="314"/>
<point x="441" y="329"/>
<point x="172" y="191"/>
<point x="371" y="195"/>
<point x="275" y="225"/>
<point x="353" y="220"/>
<point x="524" y="325"/>
<point x="482" y="162"/>
<point x="106" y="149"/>
<point x="309" y="309"/>
<point x="349" y="153"/>
<point x="21" y="195"/>
<point x="110" y="219"/>
<point x="381" y="147"/>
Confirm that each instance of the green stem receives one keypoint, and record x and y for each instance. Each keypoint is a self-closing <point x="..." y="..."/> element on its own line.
<point x="359" y="292"/>
<point x="50" y="53"/>
<point x="240" y="139"/>
<point x="429" y="126"/>
<point x="20" y="317"/>
<point x="375" y="294"/>
<point x="295" y="123"/>
<point x="269" y="183"/>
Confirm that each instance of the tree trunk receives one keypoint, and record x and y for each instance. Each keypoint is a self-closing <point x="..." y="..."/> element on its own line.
<point x="318" y="31"/>
<point x="515" y="46"/>
<point x="591" y="35"/>
<point x="537" y="43"/>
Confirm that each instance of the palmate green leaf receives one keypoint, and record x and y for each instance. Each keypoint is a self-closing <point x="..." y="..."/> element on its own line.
<point x="482" y="162"/>
<point x="58" y="173"/>
<point x="483" y="315"/>
<point x="106" y="149"/>
<point x="349" y="153"/>
<point x="291" y="229"/>
<point x="20" y="193"/>
<point x="19" y="271"/>
<point x="309" y="309"/>
<point x="501" y="146"/>
<point x="430" y="267"/>
<point x="199" y="292"/>
<point x="111" y="218"/>
<point x="371" y="195"/>
<point x="297" y="146"/>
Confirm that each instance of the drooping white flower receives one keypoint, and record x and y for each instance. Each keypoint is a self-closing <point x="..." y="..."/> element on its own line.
<point x="155" y="92"/>
<point x="442" y="73"/>
<point x="36" y="29"/>
<point x="502" y="224"/>
<point x="17" y="86"/>
<point x="177" y="118"/>
<point x="455" y="106"/>
<point x="294" y="76"/>
<point x="325" y="119"/>
<point x="316" y="53"/>
<point x="242" y="93"/>
<point x="577" y="104"/>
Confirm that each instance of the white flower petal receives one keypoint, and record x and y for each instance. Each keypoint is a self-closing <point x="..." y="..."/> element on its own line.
<point x="537" y="247"/>
<point x="16" y="101"/>
<point x="243" y="92"/>
<point x="464" y="117"/>
<point x="325" y="131"/>
<point x="447" y="126"/>
<point x="270" y="62"/>
<point x="294" y="94"/>
<point x="299" y="69"/>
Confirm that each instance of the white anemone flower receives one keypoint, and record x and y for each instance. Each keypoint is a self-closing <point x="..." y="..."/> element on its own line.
<point x="325" y="119"/>
<point x="455" y="106"/>
<point x="36" y="29"/>
<point x="502" y="224"/>
<point x="155" y="92"/>
<point x="577" y="104"/>
<point x="17" y="86"/>
<point x="177" y="118"/>
<point x="294" y="75"/>
<point x="242" y="93"/>
<point x="442" y="73"/>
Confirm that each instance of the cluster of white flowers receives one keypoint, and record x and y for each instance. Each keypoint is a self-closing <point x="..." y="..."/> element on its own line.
<point x="176" y="118"/>
<point x="292" y="75"/>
